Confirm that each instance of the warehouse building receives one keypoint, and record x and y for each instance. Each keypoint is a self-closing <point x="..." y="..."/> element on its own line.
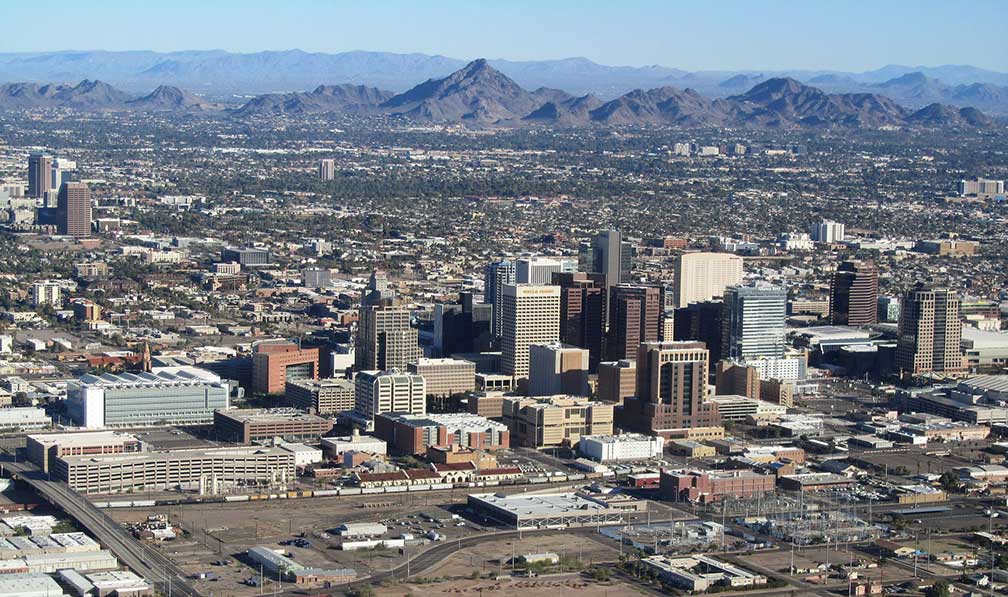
<point x="208" y="471"/>
<point x="22" y="418"/>
<point x="628" y="446"/>
<point x="274" y="564"/>
<point x="169" y="396"/>
<point x="707" y="486"/>
<point x="700" y="573"/>
<point x="556" y="510"/>
<point x="29" y="584"/>
<point x="248" y="425"/>
<point x="48" y="563"/>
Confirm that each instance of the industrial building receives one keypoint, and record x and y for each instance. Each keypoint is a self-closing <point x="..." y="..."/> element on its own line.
<point x="247" y="425"/>
<point x="164" y="396"/>
<point x="710" y="486"/>
<point x="208" y="471"/>
<point x="275" y="564"/>
<point x="556" y="510"/>
<point x="700" y="573"/>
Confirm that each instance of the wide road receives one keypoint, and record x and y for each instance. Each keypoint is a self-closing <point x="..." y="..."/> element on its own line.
<point x="142" y="559"/>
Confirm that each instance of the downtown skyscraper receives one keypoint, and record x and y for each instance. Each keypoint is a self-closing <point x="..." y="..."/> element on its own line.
<point x="854" y="294"/>
<point x="929" y="331"/>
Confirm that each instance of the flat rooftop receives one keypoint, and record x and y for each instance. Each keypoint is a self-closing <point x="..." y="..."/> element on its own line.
<point x="197" y="454"/>
<point x="86" y="438"/>
<point x="269" y="415"/>
<point x="543" y="504"/>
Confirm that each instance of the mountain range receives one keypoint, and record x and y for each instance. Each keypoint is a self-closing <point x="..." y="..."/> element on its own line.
<point x="222" y="75"/>
<point x="481" y="95"/>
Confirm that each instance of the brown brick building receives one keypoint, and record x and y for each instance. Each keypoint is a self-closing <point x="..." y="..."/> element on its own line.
<point x="273" y="364"/>
<point x="708" y="486"/>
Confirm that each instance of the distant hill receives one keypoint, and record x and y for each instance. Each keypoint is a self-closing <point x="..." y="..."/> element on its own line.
<point x="218" y="74"/>
<point x="480" y="95"/>
<point x="169" y="98"/>
<point x="325" y="98"/>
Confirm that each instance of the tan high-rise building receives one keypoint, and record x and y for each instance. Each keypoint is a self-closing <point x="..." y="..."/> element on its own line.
<point x="557" y="368"/>
<point x="385" y="339"/>
<point x="555" y="420"/>
<point x="671" y="389"/>
<point x="530" y="315"/>
<point x="635" y="316"/>
<point x="930" y="331"/>
<point x="445" y="377"/>
<point x="617" y="381"/>
<point x="700" y="277"/>
<point x="74" y="208"/>
<point x="854" y="294"/>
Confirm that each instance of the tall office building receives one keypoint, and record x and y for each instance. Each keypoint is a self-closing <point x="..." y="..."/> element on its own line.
<point x="827" y="232"/>
<point x="635" y="313"/>
<point x="617" y="381"/>
<point x="558" y="368"/>
<point x="327" y="169"/>
<point x="701" y="322"/>
<point x="753" y="322"/>
<point x="62" y="171"/>
<point x="582" y="312"/>
<point x="701" y="277"/>
<point x="462" y="327"/>
<point x="671" y="389"/>
<point x="930" y="331"/>
<point x="39" y="175"/>
<point x="378" y="291"/>
<point x="498" y="275"/>
<point x="854" y="294"/>
<point x="607" y="254"/>
<point x="74" y="209"/>
<point x="385" y="339"/>
<point x="530" y="315"/>
<point x="888" y="308"/>
<point x="392" y="391"/>
<point x="537" y="269"/>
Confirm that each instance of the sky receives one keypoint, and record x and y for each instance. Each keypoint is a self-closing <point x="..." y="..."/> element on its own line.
<point x="852" y="35"/>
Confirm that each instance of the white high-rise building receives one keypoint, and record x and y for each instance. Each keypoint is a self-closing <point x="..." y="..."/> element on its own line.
<point x="828" y="232"/>
<point x="377" y="392"/>
<point x="530" y="314"/>
<point x="701" y="277"/>
<point x="46" y="293"/>
<point x="537" y="269"/>
<point x="981" y="186"/>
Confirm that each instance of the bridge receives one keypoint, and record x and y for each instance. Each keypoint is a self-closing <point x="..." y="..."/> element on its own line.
<point x="142" y="559"/>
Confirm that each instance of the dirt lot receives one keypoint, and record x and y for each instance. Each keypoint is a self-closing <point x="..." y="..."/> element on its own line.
<point x="811" y="557"/>
<point x="559" y="585"/>
<point x="494" y="556"/>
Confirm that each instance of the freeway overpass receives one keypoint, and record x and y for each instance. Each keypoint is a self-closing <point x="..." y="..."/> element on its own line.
<point x="142" y="559"/>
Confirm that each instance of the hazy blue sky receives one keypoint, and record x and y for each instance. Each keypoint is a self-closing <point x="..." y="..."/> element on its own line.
<point x="700" y="34"/>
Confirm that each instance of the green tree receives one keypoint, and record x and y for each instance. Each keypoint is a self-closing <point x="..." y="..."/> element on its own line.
<point x="949" y="481"/>
<point x="940" y="588"/>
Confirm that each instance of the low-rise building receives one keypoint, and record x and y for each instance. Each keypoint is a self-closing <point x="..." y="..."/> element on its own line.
<point x="248" y="425"/>
<point x="734" y="407"/>
<point x="42" y="450"/>
<point x="414" y="434"/>
<point x="358" y="442"/>
<point x="208" y="471"/>
<point x="700" y="573"/>
<point x="626" y="446"/>
<point x="556" y="510"/>
<point x="707" y="486"/>
<point x="690" y="448"/>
